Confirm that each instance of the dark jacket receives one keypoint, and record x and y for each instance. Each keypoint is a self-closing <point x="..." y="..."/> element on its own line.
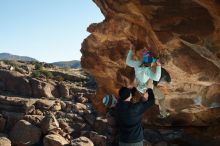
<point x="128" y="118"/>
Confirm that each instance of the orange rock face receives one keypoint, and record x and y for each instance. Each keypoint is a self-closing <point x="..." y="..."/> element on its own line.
<point x="185" y="34"/>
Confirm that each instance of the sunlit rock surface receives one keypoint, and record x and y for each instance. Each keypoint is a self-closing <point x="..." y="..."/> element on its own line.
<point x="184" y="33"/>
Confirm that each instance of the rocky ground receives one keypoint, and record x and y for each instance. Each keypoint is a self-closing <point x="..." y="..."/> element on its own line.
<point x="42" y="105"/>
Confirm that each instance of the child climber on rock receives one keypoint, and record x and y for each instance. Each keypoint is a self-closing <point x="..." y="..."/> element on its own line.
<point x="144" y="75"/>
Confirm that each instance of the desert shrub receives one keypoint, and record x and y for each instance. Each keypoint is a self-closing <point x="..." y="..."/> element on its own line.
<point x="59" y="78"/>
<point x="36" y="74"/>
<point x="10" y="62"/>
<point x="38" y="66"/>
<point x="48" y="74"/>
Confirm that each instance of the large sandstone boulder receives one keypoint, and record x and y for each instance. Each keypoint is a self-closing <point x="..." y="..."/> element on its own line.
<point x="55" y="140"/>
<point x="15" y="104"/>
<point x="25" y="134"/>
<point x="43" y="89"/>
<point x="20" y="84"/>
<point x="184" y="34"/>
<point x="44" y="104"/>
<point x="12" y="118"/>
<point x="97" y="139"/>
<point x="63" y="90"/>
<point x="49" y="123"/>
<point x="34" y="119"/>
<point x="15" y="82"/>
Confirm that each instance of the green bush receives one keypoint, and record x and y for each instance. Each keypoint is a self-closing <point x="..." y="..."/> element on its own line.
<point x="48" y="74"/>
<point x="59" y="78"/>
<point x="10" y="62"/>
<point x="38" y="66"/>
<point x="36" y="74"/>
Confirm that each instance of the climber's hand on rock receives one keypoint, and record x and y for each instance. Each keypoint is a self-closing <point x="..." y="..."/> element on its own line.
<point x="145" y="49"/>
<point x="158" y="62"/>
<point x="132" y="47"/>
<point x="145" y="96"/>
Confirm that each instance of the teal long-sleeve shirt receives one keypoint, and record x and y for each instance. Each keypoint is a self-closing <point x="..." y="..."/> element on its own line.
<point x="142" y="74"/>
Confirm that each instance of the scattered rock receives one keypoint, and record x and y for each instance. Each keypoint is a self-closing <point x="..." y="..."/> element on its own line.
<point x="63" y="124"/>
<point x="26" y="68"/>
<point x="82" y="99"/>
<point x="69" y="106"/>
<point x="42" y="89"/>
<point x="24" y="133"/>
<point x="22" y="115"/>
<point x="20" y="70"/>
<point x="38" y="112"/>
<point x="76" y="117"/>
<point x="44" y="104"/>
<point x="63" y="105"/>
<point x="49" y="123"/>
<point x="34" y="119"/>
<point x="55" y="140"/>
<point x="98" y="140"/>
<point x="15" y="104"/>
<point x="65" y="127"/>
<point x="15" y="82"/>
<point x="63" y="90"/>
<point x="30" y="109"/>
<point x="4" y="141"/>
<point x="80" y="106"/>
<point x="12" y="118"/>
<point x="69" y="130"/>
<point x="56" y="106"/>
<point x="101" y="125"/>
<point x="82" y="141"/>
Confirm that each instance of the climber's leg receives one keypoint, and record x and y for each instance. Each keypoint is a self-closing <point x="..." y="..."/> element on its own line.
<point x="160" y="97"/>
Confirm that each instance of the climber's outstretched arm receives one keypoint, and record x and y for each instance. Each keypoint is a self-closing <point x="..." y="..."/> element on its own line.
<point x="144" y="105"/>
<point x="130" y="62"/>
<point x="155" y="76"/>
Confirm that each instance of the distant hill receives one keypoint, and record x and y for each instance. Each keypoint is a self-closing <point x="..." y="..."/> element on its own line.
<point x="7" y="56"/>
<point x="71" y="64"/>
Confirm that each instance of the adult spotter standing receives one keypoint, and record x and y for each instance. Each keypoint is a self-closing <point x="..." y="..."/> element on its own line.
<point x="128" y="116"/>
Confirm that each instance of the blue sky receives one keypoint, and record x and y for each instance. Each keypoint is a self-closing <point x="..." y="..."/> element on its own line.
<point x="47" y="30"/>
